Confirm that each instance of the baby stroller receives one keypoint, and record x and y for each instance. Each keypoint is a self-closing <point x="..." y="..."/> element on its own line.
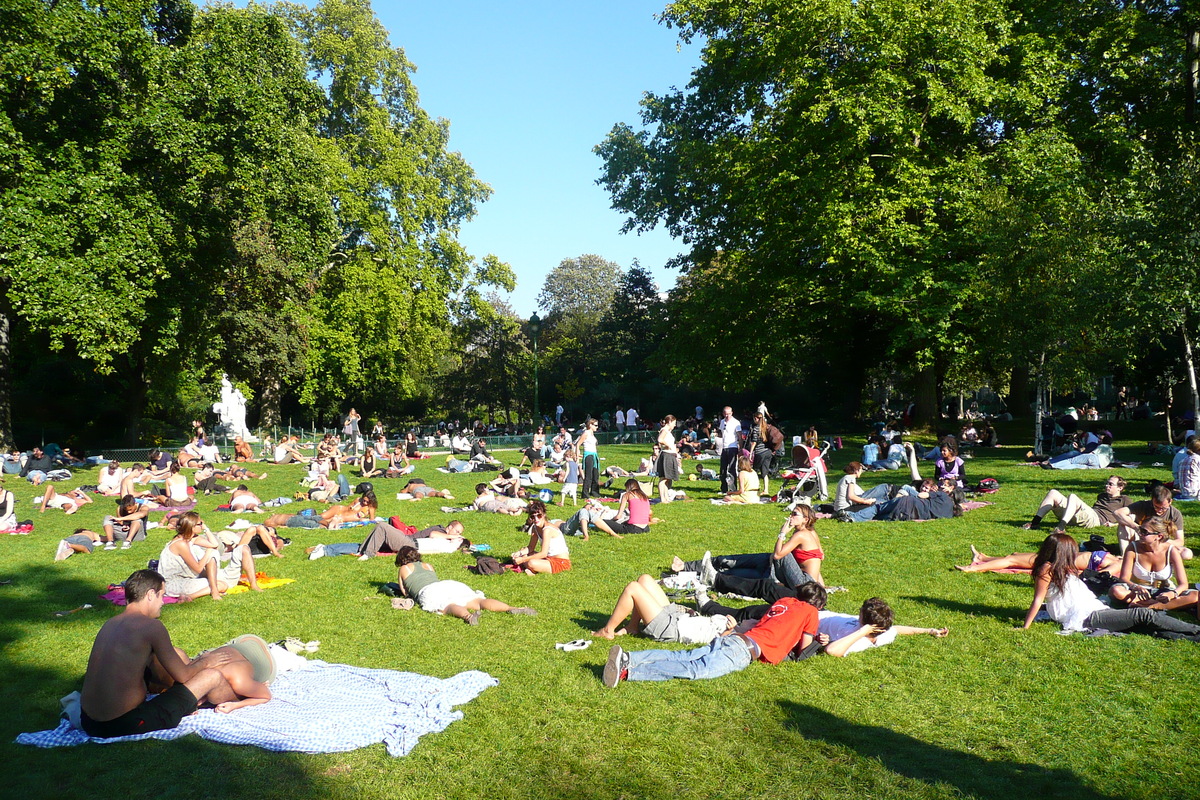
<point x="808" y="471"/>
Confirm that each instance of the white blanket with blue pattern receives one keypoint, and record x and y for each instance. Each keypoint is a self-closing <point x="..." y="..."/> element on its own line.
<point x="323" y="708"/>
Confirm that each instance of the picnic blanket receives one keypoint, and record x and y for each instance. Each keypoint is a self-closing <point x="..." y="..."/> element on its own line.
<point x="322" y="708"/>
<point x="116" y="592"/>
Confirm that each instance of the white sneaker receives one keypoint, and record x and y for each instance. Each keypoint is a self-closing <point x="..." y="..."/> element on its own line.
<point x="318" y="552"/>
<point x="708" y="574"/>
<point x="110" y="546"/>
<point x="364" y="557"/>
<point x="124" y="545"/>
<point x="63" y="552"/>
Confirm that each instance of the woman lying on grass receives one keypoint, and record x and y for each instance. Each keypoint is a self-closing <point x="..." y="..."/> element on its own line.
<point x="650" y="612"/>
<point x="1070" y="603"/>
<point x="420" y="582"/>
<point x="70" y="501"/>
<point x="1096" y="560"/>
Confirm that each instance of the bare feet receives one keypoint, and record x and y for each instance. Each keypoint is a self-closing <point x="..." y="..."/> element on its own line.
<point x="677" y="564"/>
<point x="604" y="633"/>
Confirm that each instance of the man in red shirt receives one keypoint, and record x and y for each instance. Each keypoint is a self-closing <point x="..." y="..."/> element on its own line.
<point x="789" y="625"/>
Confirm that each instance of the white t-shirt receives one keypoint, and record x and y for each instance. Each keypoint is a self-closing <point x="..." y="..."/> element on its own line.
<point x="730" y="428"/>
<point x="281" y="452"/>
<point x="620" y="418"/>
<point x="839" y="626"/>
<point x="631" y="417"/>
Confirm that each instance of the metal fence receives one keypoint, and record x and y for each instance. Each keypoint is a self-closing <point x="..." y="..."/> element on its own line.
<point x="427" y="444"/>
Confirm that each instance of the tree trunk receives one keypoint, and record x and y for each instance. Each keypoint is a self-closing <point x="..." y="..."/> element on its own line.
<point x="926" y="410"/>
<point x="1190" y="363"/>
<point x="6" y="434"/>
<point x="1018" y="391"/>
<point x="1191" y="39"/>
<point x="1037" y="408"/>
<point x="1170" y="394"/>
<point x="139" y="389"/>
<point x="270" y="398"/>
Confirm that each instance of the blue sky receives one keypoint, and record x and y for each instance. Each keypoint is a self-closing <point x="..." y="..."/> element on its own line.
<point x="530" y="88"/>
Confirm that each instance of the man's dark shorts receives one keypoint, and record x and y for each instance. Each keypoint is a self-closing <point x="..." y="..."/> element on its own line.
<point x="158" y="714"/>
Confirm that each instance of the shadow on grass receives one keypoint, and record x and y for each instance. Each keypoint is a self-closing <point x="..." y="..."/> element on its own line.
<point x="34" y="685"/>
<point x="590" y="620"/>
<point x="912" y="758"/>
<point x="1002" y="613"/>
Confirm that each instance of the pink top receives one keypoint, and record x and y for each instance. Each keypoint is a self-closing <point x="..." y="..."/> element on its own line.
<point x="639" y="511"/>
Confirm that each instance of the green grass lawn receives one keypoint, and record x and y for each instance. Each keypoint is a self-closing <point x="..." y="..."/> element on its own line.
<point x="989" y="712"/>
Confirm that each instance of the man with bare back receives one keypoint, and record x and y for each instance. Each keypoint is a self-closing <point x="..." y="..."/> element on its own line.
<point x="132" y="651"/>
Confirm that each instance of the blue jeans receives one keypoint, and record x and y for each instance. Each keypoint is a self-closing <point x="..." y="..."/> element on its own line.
<point x="454" y="465"/>
<point x="723" y="655"/>
<point x="1079" y="461"/>
<point x="866" y="513"/>
<point x="757" y="566"/>
<point x="342" y="549"/>
<point x="742" y="565"/>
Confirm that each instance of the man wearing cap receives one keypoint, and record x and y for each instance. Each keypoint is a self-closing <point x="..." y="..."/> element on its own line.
<point x="132" y="647"/>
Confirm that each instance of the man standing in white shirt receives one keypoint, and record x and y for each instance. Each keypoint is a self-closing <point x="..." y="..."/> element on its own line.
<point x="731" y="430"/>
<point x="620" y="420"/>
<point x="631" y="421"/>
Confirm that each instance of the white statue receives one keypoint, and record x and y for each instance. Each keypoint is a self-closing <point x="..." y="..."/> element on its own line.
<point x="232" y="410"/>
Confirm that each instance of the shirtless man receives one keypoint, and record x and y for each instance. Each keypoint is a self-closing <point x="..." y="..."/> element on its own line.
<point x="134" y="476"/>
<point x="333" y="517"/>
<point x="113" y="701"/>
<point x="487" y="500"/>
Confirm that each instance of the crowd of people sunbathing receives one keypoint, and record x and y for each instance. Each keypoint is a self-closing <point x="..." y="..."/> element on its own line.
<point x="1132" y="585"/>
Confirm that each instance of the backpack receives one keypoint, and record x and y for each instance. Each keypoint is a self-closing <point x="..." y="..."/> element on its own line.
<point x="988" y="486"/>
<point x="402" y="526"/>
<point x="486" y="565"/>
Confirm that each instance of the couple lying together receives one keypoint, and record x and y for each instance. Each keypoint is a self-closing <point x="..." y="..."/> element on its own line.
<point x="133" y="656"/>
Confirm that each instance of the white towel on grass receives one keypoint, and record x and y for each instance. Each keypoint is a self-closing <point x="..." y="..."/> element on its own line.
<point x="324" y="708"/>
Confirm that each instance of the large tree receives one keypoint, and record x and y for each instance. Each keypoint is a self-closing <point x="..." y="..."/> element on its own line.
<point x="381" y="315"/>
<point x="142" y="145"/>
<point x="825" y="148"/>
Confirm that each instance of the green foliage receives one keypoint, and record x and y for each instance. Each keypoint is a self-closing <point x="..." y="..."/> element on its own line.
<point x="381" y="311"/>
<point x="495" y="364"/>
